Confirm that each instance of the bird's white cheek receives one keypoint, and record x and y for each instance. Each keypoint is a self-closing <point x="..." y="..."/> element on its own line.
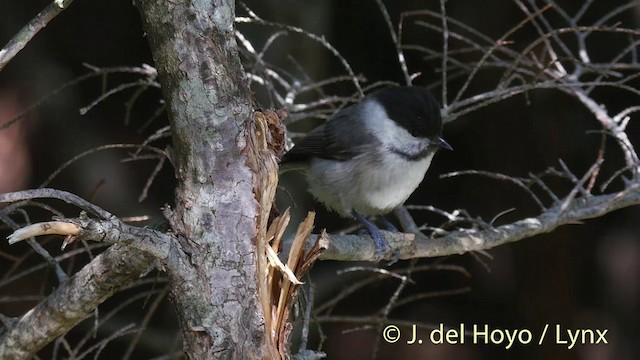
<point x="386" y="130"/>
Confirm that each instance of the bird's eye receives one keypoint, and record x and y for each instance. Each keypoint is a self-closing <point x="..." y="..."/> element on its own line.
<point x="414" y="132"/>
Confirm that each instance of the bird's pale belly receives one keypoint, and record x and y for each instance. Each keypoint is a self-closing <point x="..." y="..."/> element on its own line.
<point x="370" y="189"/>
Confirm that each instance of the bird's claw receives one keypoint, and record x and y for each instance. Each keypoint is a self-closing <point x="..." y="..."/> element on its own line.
<point x="382" y="246"/>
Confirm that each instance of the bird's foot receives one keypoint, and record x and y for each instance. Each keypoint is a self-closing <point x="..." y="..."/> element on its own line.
<point x="382" y="246"/>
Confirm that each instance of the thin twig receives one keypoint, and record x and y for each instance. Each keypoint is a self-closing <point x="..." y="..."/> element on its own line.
<point x="142" y="84"/>
<point x="145" y="70"/>
<point x="306" y="318"/>
<point x="80" y="156"/>
<point x="396" y="43"/>
<point x="254" y="19"/>
<point x="152" y="176"/>
<point x="56" y="194"/>
<point x="145" y="322"/>
<point x="22" y="38"/>
<point x="445" y="55"/>
<point x="430" y="295"/>
<point x="61" y="275"/>
<point x="498" y="176"/>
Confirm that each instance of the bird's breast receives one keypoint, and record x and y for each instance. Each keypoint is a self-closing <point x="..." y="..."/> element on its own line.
<point x="390" y="184"/>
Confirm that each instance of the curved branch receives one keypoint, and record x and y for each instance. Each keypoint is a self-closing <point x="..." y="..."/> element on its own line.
<point x="56" y="194"/>
<point x="22" y="38"/>
<point x="361" y="248"/>
<point x="74" y="300"/>
<point x="135" y="251"/>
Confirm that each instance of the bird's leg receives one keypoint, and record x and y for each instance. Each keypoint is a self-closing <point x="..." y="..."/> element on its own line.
<point x="381" y="244"/>
<point x="387" y="224"/>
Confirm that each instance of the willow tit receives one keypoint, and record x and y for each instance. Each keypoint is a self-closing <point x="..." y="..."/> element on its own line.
<point x="368" y="158"/>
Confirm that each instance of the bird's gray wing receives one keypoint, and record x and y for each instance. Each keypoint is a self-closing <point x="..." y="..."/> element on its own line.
<point x="340" y="138"/>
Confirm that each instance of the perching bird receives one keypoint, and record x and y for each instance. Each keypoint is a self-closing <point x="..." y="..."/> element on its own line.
<point x="368" y="158"/>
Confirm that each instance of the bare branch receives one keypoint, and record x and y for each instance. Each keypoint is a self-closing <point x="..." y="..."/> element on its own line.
<point x="55" y="194"/>
<point x="254" y="19"/>
<point x="631" y="157"/>
<point x="445" y="56"/>
<point x="137" y="147"/>
<point x="147" y="318"/>
<point x="354" y="287"/>
<point x="22" y="38"/>
<point x="62" y="276"/>
<point x="497" y="44"/>
<point x="516" y="181"/>
<point x="431" y="295"/>
<point x="10" y="277"/>
<point x="361" y="248"/>
<point x="146" y="70"/>
<point x="110" y="231"/>
<point x="73" y="301"/>
<point x="579" y="183"/>
<point x="152" y="176"/>
<point x="396" y="42"/>
<point x="140" y="84"/>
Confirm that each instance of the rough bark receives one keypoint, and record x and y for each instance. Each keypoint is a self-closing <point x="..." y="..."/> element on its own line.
<point x="213" y="272"/>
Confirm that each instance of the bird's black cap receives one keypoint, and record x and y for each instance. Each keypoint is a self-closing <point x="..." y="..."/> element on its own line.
<point x="414" y="108"/>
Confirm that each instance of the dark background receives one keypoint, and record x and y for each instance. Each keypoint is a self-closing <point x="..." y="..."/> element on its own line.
<point x="580" y="276"/>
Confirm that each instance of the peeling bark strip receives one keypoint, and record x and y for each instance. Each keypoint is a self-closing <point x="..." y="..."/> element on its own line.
<point x="213" y="272"/>
<point x="265" y="138"/>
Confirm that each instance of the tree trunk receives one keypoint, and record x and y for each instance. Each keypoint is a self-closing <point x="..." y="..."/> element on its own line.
<point x="213" y="269"/>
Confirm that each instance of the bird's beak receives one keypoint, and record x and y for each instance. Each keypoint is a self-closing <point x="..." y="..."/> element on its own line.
<point x="441" y="143"/>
